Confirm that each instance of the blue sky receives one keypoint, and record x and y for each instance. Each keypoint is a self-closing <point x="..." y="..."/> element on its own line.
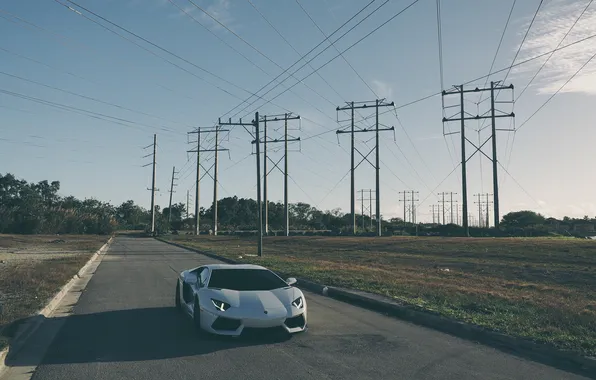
<point x="549" y="165"/>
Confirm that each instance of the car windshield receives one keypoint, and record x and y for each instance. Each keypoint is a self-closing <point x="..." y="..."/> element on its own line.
<point x="245" y="279"/>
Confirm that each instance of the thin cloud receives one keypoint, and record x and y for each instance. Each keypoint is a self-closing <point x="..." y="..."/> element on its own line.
<point x="220" y="10"/>
<point x="553" y="22"/>
<point x="383" y="89"/>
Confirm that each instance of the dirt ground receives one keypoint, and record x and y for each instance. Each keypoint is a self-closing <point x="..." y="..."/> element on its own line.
<point x="34" y="267"/>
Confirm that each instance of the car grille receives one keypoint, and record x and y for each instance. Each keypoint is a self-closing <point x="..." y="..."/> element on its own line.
<point x="294" y="322"/>
<point x="263" y="332"/>
<point x="228" y="324"/>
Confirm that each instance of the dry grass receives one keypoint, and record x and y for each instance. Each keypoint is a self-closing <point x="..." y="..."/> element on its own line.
<point x="542" y="289"/>
<point x="33" y="269"/>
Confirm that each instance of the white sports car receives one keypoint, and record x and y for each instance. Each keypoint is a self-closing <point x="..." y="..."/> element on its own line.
<point x="229" y="299"/>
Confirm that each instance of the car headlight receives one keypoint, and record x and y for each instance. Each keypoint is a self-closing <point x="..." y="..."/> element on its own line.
<point x="298" y="303"/>
<point x="220" y="305"/>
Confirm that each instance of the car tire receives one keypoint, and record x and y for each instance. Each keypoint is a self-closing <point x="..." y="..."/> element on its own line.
<point x="178" y="304"/>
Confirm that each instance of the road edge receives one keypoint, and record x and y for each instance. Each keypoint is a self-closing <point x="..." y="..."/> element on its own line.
<point x="27" y="329"/>
<point x="538" y="352"/>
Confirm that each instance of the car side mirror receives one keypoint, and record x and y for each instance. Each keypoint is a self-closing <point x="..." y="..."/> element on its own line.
<point x="291" y="281"/>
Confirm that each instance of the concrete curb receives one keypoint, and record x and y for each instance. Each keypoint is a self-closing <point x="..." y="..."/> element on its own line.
<point x="539" y="352"/>
<point x="27" y="329"/>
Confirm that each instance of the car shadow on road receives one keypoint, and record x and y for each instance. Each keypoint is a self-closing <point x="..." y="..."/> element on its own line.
<point x="133" y="335"/>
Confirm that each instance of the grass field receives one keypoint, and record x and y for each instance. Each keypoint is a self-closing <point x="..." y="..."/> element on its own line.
<point x="33" y="268"/>
<point x="538" y="288"/>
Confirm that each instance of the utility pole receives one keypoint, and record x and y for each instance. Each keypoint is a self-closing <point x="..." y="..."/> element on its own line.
<point x="216" y="149"/>
<point x="215" y="172"/>
<point x="153" y="189"/>
<point x="442" y="201"/>
<point x="433" y="212"/>
<point x="463" y="116"/>
<point x="362" y="105"/>
<point x="364" y="208"/>
<point x="171" y="192"/>
<point x="413" y="208"/>
<point x="370" y="208"/>
<point x="265" y="198"/>
<point x="479" y="203"/>
<point x="405" y="201"/>
<point x="187" y="199"/>
<point x="256" y="137"/>
<point x="286" y="139"/>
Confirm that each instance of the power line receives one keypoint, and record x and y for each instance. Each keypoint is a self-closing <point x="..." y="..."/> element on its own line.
<point x="345" y="50"/>
<point x="45" y="64"/>
<point x="534" y="77"/>
<point x="91" y="98"/>
<point x="499" y="45"/>
<point x="298" y="61"/>
<point x="60" y="37"/>
<point x="245" y="57"/>
<point x="518" y="49"/>
<point x="81" y="111"/>
<point x="164" y="50"/>
<point x="289" y="44"/>
<point x="336" y="49"/>
<point x="426" y="97"/>
<point x="556" y="92"/>
<point x="154" y="45"/>
<point x="553" y="52"/>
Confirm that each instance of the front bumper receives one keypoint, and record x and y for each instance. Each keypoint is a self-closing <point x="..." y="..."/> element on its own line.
<point x="234" y="324"/>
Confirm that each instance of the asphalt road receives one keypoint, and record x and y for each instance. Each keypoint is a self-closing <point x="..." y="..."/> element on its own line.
<point x="125" y="327"/>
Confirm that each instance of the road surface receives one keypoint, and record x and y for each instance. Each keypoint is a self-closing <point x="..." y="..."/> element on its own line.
<point x="125" y="326"/>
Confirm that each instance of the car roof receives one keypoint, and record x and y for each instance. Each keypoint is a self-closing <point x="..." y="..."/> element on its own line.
<point x="234" y="266"/>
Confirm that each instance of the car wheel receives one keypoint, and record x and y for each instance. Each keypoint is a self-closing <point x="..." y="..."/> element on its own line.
<point x="178" y="304"/>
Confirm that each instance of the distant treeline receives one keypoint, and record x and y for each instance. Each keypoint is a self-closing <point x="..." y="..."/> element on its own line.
<point x="36" y="208"/>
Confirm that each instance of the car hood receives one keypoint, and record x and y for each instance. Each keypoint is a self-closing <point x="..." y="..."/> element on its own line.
<point x="258" y="300"/>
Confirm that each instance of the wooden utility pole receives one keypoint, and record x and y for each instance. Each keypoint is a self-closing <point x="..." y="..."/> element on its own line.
<point x="464" y="158"/>
<point x="286" y="139"/>
<point x="171" y="192"/>
<point x="152" y="189"/>
<point x="256" y="138"/>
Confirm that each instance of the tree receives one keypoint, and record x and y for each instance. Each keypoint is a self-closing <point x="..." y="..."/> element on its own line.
<point x="522" y="219"/>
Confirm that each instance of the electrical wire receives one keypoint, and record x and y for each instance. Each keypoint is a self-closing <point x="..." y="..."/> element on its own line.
<point x="95" y="100"/>
<point x="426" y="97"/>
<point x="81" y="111"/>
<point x="345" y="50"/>
<point x="556" y="92"/>
<point x="60" y="37"/>
<point x="248" y="59"/>
<point x="499" y="46"/>
<point x="299" y="60"/>
<point x="154" y="45"/>
<point x="553" y="52"/>
<point x="520" y="186"/>
<point x="517" y="52"/>
<point x="336" y="49"/>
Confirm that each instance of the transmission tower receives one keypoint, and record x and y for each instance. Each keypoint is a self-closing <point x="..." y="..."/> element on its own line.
<point x="200" y="149"/>
<point x="368" y="208"/>
<point x="351" y="106"/>
<point x="266" y="140"/>
<point x="409" y="206"/>
<point x="462" y="116"/>
<point x="255" y="137"/>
